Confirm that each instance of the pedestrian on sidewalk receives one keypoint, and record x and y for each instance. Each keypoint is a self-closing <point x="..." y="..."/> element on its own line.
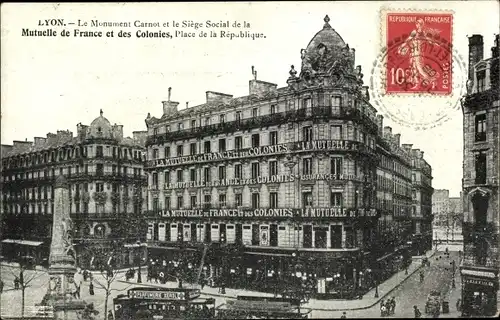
<point x="421" y="276"/>
<point x="77" y="291"/>
<point x="393" y="305"/>
<point x="382" y="308"/>
<point x="91" y="288"/>
<point x="110" y="315"/>
<point x="459" y="305"/>
<point x="16" y="283"/>
<point x="1" y="286"/>
<point x="344" y="316"/>
<point x="417" y="312"/>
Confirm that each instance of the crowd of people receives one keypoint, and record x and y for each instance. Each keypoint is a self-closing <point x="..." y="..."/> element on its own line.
<point x="387" y="307"/>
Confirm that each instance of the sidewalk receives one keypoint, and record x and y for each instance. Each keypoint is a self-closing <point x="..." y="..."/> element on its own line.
<point x="453" y="295"/>
<point x="368" y="300"/>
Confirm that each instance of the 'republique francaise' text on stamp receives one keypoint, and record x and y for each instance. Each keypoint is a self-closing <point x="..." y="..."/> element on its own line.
<point x="419" y="55"/>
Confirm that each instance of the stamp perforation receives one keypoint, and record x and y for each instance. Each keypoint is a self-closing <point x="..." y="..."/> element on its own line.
<point x="448" y="101"/>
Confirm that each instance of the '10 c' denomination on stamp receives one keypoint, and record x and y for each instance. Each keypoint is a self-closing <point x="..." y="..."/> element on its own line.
<point x="419" y="55"/>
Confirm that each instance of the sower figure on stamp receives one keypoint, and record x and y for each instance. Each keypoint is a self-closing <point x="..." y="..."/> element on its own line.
<point x="413" y="48"/>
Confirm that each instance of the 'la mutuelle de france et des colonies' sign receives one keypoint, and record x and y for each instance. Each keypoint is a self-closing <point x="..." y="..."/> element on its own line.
<point x="258" y="151"/>
<point x="280" y="213"/>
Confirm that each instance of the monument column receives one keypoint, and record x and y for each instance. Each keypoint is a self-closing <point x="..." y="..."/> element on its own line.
<point x="62" y="263"/>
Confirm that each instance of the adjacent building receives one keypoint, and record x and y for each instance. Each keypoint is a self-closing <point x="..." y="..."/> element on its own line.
<point x="441" y="207"/>
<point x="480" y="266"/>
<point x="422" y="191"/>
<point x="448" y="215"/>
<point x="295" y="184"/>
<point x="107" y="189"/>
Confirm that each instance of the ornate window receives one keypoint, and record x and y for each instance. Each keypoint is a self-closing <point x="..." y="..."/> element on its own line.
<point x="480" y="127"/>
<point x="99" y="231"/>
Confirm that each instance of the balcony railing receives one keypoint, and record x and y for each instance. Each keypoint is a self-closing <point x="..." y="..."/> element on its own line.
<point x="265" y="121"/>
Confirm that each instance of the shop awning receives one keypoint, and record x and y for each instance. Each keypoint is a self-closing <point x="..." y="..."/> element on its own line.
<point x="23" y="242"/>
<point x="269" y="254"/>
<point x="477" y="273"/>
<point x="134" y="245"/>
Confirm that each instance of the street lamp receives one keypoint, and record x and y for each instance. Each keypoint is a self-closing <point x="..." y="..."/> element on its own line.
<point x="376" y="282"/>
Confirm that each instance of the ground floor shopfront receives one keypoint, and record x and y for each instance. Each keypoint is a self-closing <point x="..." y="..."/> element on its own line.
<point x="323" y="273"/>
<point x="34" y="251"/>
<point x="479" y="292"/>
<point x="94" y="255"/>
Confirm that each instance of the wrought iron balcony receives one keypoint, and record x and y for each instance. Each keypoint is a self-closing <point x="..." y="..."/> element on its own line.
<point x="265" y="121"/>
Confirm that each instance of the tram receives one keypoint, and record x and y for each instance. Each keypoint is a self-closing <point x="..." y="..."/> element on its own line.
<point x="249" y="307"/>
<point x="147" y="303"/>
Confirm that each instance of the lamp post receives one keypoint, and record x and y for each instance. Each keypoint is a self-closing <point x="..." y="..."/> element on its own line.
<point x="376" y="282"/>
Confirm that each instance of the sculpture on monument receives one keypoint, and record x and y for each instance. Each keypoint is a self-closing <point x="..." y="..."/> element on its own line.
<point x="62" y="263"/>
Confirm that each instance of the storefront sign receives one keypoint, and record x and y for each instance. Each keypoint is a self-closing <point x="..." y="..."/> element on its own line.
<point x="480" y="282"/>
<point x="332" y="212"/>
<point x="263" y="179"/>
<point x="163" y="295"/>
<point x="327" y="145"/>
<point x="314" y="145"/>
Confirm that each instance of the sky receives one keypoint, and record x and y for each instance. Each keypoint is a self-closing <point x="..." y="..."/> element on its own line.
<point x="54" y="83"/>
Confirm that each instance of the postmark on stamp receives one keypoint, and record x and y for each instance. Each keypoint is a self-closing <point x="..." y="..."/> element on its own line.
<point x="418" y="77"/>
<point x="418" y="57"/>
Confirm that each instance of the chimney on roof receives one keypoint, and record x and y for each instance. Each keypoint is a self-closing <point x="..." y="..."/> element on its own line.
<point x="476" y="47"/>
<point x="169" y="107"/>
<point x="39" y="141"/>
<point x="254" y="73"/>
<point x="496" y="47"/>
<point x="21" y="146"/>
<point x="387" y="133"/>
<point x="366" y="93"/>
<point x="380" y="124"/>
<point x="213" y="96"/>
<point x="407" y="146"/>
<point x="397" y="139"/>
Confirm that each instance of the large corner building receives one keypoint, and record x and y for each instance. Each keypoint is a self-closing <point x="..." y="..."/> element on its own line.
<point x="300" y="183"/>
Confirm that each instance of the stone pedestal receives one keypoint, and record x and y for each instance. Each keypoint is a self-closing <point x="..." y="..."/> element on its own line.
<point x="60" y="294"/>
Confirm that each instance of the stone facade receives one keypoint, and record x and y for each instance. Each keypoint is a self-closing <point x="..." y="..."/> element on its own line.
<point x="300" y="173"/>
<point x="480" y="182"/>
<point x="107" y="189"/>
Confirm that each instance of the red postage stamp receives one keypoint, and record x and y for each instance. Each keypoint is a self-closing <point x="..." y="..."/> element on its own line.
<point x="419" y="52"/>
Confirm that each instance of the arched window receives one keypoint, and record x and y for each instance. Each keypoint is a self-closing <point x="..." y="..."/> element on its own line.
<point x="99" y="231"/>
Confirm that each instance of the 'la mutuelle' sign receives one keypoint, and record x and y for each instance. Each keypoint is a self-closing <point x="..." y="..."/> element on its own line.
<point x="285" y="213"/>
<point x="314" y="145"/>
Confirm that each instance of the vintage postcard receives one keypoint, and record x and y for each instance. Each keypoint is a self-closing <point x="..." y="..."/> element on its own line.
<point x="250" y="160"/>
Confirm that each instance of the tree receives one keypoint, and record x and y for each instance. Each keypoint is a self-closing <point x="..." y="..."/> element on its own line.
<point x="108" y="277"/>
<point x="25" y="277"/>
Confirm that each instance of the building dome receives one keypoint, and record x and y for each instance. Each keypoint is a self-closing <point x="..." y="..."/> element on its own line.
<point x="326" y="47"/>
<point x="101" y="127"/>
